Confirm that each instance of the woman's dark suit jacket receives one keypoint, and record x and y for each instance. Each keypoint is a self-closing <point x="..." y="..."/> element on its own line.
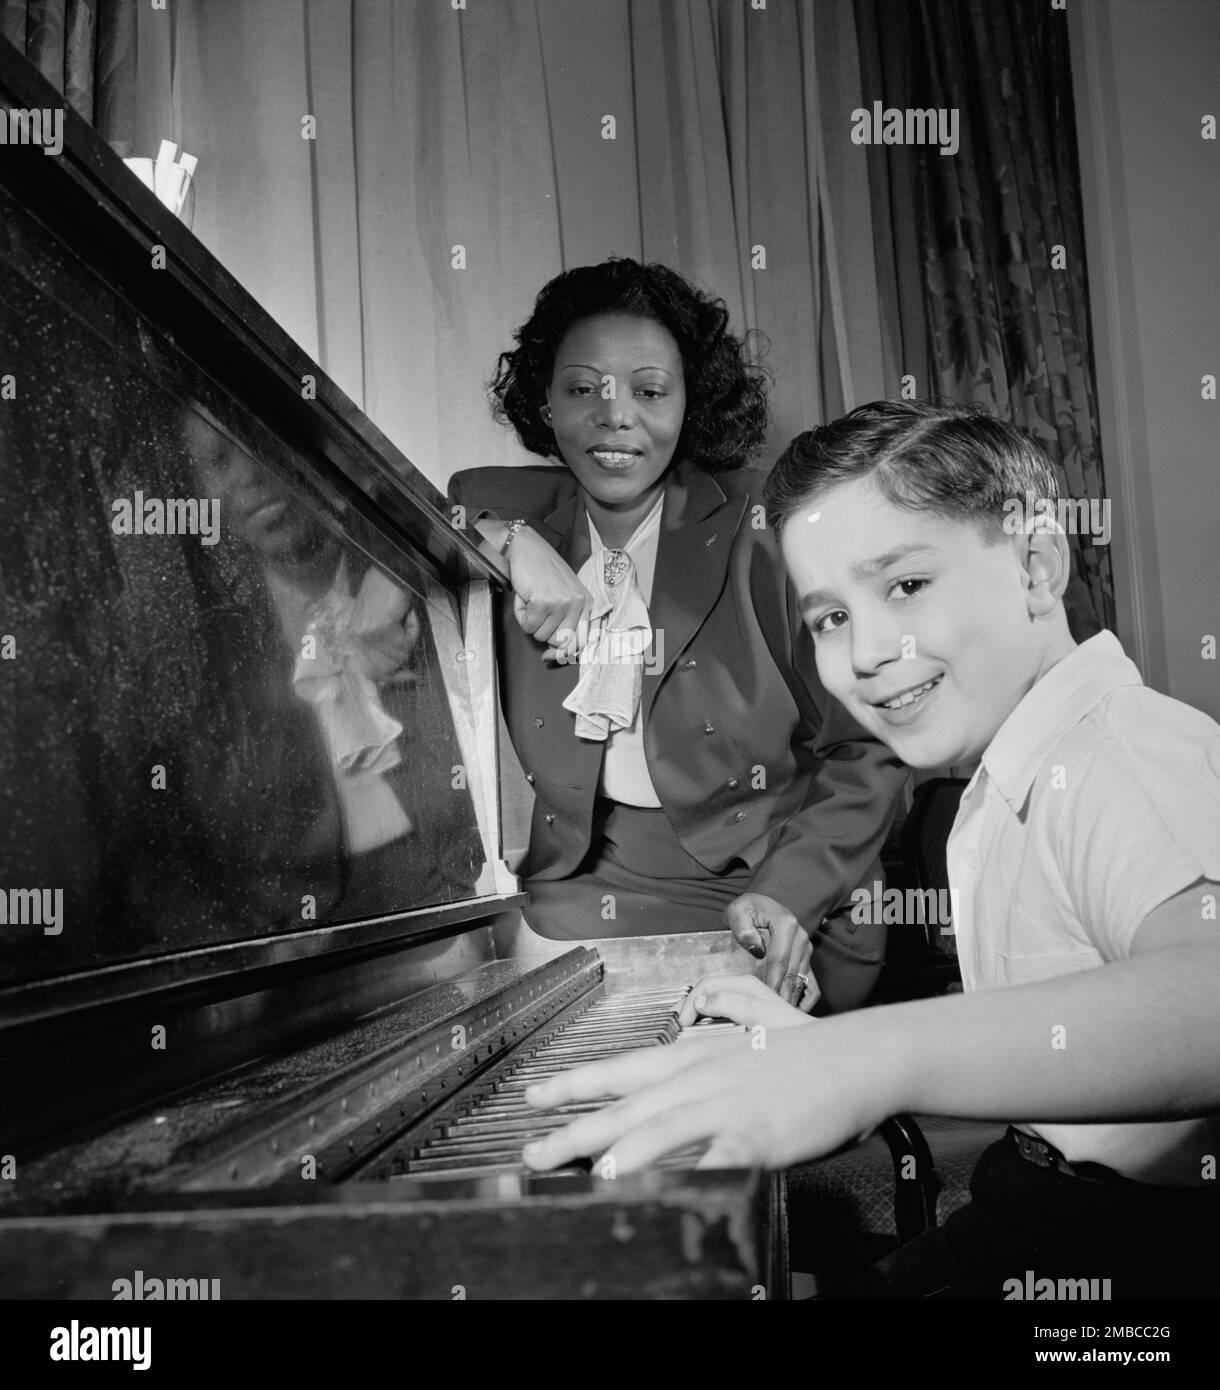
<point x="751" y="759"/>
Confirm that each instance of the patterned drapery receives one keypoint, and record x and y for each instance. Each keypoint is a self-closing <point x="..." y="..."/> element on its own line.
<point x="1003" y="316"/>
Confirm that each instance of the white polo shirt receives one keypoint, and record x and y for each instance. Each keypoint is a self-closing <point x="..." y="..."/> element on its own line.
<point x="1096" y="801"/>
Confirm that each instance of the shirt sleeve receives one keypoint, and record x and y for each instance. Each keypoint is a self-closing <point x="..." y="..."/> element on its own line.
<point x="1140" y="823"/>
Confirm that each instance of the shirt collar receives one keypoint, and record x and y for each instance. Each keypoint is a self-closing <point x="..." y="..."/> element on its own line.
<point x="1050" y="709"/>
<point x="643" y="533"/>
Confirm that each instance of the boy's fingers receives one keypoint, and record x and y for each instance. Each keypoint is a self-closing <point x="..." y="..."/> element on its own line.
<point x="634" y="1133"/>
<point x="730" y="1150"/>
<point x="591" y="1135"/>
<point x="681" y="1082"/>
<point x="617" y="1077"/>
<point x="728" y="1001"/>
<point x="698" y="1001"/>
<point x="667" y="1131"/>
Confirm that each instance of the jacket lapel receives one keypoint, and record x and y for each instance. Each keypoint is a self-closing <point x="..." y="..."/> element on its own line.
<point x="567" y="525"/>
<point x="698" y="525"/>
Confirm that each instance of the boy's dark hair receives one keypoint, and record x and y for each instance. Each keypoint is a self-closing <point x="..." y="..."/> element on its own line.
<point x="955" y="460"/>
<point x="726" y="391"/>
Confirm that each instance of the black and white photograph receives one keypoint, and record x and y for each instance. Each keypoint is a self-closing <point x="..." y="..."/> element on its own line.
<point x="608" y="673"/>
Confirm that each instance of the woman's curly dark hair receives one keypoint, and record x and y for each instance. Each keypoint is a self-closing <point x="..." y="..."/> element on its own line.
<point x="726" y="388"/>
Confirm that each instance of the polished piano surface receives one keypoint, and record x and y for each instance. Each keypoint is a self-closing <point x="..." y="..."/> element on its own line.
<point x="267" y="1005"/>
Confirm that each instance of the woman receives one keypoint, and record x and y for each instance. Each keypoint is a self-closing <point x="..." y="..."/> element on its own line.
<point x="660" y="691"/>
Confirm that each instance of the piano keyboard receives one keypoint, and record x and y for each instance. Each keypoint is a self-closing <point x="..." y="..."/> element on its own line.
<point x="486" y="1130"/>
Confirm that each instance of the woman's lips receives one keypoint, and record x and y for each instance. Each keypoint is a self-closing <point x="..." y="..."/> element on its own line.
<point x="614" y="460"/>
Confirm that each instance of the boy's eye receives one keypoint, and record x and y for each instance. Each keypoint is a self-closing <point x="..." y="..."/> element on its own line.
<point x="828" y="622"/>
<point x="909" y="587"/>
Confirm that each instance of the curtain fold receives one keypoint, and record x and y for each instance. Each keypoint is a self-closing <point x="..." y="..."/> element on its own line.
<point x="998" y="231"/>
<point x="463" y="158"/>
<point x="395" y="182"/>
<point x="88" y="51"/>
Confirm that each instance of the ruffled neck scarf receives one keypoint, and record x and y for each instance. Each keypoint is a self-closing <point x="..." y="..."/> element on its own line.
<point x="607" y="695"/>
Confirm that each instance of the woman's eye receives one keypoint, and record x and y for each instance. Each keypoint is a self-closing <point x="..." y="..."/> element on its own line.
<point x="581" y="388"/>
<point x="828" y="622"/>
<point x="652" y="393"/>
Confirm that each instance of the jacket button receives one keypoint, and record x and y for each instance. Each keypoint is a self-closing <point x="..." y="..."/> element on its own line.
<point x="708" y="727"/>
<point x="538" y="722"/>
<point x="739" y="817"/>
<point x="732" y="782"/>
<point x="690" y="665"/>
<point x="550" y="819"/>
<point x="529" y="777"/>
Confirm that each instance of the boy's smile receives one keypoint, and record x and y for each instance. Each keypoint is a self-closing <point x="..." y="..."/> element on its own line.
<point x="928" y="635"/>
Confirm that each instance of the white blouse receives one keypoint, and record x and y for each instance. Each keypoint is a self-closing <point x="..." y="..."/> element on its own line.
<point x="624" y="775"/>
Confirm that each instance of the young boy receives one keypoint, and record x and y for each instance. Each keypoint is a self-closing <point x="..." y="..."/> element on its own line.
<point x="1086" y="863"/>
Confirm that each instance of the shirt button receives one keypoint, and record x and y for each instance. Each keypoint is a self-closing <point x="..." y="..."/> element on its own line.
<point x="538" y="722"/>
<point x="739" y="817"/>
<point x="529" y="776"/>
<point x="690" y="665"/>
<point x="550" y="819"/>
<point x="732" y="782"/>
<point x="972" y="858"/>
<point x="708" y="727"/>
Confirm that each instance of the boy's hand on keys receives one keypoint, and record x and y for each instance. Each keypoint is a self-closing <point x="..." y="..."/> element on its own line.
<point x="804" y="1093"/>
<point x="743" y="999"/>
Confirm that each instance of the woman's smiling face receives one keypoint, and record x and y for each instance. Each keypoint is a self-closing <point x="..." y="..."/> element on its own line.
<point x="618" y="399"/>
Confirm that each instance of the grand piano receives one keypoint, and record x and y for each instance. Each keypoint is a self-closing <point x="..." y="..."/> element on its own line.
<point x="266" y="1003"/>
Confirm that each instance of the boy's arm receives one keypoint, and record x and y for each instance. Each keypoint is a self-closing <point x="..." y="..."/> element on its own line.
<point x="1140" y="1040"/>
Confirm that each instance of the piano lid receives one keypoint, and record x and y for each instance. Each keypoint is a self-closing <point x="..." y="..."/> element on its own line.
<point x="246" y="657"/>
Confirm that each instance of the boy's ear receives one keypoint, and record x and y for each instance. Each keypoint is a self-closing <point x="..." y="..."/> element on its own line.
<point x="1048" y="567"/>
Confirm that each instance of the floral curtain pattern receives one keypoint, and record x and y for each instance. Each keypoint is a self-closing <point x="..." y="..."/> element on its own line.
<point x="1000" y="233"/>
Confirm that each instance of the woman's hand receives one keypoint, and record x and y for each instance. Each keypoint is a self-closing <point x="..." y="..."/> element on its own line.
<point x="549" y="602"/>
<point x="788" y="950"/>
<point x="743" y="998"/>
<point x="766" y="1098"/>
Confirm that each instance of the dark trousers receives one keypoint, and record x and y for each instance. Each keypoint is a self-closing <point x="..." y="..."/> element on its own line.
<point x="1149" y="1242"/>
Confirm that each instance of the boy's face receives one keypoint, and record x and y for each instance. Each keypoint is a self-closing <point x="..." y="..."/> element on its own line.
<point x="924" y="632"/>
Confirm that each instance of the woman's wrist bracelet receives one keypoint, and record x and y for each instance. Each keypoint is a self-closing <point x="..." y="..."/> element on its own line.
<point x="510" y="533"/>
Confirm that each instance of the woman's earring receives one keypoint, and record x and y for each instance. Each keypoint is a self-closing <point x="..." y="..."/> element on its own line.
<point x="546" y="414"/>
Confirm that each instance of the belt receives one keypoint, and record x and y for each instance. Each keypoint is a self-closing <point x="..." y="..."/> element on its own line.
<point x="1043" y="1155"/>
